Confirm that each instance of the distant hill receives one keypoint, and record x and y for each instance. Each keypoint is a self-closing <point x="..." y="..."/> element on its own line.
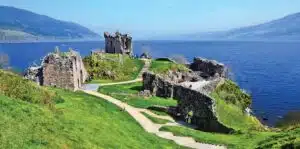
<point x="19" y="24"/>
<point x="286" y="28"/>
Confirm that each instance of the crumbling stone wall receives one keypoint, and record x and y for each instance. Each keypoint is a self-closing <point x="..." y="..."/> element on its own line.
<point x="118" y="43"/>
<point x="63" y="70"/>
<point x="209" y="68"/>
<point x="199" y="103"/>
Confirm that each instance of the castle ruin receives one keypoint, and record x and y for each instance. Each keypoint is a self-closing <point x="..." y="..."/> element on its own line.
<point x="191" y="90"/>
<point x="59" y="69"/>
<point x="118" y="43"/>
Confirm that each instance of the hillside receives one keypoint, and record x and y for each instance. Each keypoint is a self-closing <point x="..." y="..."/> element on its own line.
<point x="19" y="24"/>
<point x="39" y="117"/>
<point x="286" y="28"/>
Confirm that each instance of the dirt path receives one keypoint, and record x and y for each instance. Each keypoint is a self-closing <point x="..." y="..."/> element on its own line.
<point x="151" y="127"/>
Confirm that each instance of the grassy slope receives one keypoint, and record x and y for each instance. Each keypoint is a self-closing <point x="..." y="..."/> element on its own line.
<point x="129" y="93"/>
<point x="236" y="141"/>
<point x="156" y="120"/>
<point x="126" y="70"/>
<point x="230" y="104"/>
<point x="162" y="67"/>
<point x="82" y="121"/>
<point x="14" y="86"/>
<point x="77" y="120"/>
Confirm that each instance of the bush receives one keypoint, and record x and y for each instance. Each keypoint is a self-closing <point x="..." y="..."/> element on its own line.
<point x="16" y="87"/>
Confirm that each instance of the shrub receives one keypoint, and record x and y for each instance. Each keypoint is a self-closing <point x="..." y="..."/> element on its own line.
<point x="16" y="87"/>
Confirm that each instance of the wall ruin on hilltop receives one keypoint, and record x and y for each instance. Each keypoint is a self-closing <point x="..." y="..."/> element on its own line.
<point x="118" y="43"/>
<point x="191" y="92"/>
<point x="63" y="70"/>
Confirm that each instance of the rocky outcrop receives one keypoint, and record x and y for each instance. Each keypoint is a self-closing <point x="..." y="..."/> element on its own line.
<point x="209" y="68"/>
<point x="118" y="43"/>
<point x="63" y="70"/>
<point x="189" y="101"/>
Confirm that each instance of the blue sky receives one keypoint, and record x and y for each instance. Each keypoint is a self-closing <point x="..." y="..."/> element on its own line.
<point x="149" y="17"/>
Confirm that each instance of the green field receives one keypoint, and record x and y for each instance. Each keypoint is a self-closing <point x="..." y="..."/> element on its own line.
<point x="129" y="93"/>
<point x="108" y="68"/>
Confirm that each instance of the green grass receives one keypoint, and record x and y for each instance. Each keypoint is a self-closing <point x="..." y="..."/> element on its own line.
<point x="229" y="98"/>
<point x="81" y="121"/>
<point x="248" y="140"/>
<point x="107" y="68"/>
<point x="12" y="85"/>
<point x="156" y="120"/>
<point x="162" y="66"/>
<point x="129" y="93"/>
<point x="102" y="81"/>
<point x="159" y="112"/>
<point x="285" y="139"/>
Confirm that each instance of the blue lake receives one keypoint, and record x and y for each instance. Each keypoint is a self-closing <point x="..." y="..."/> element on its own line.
<point x="270" y="71"/>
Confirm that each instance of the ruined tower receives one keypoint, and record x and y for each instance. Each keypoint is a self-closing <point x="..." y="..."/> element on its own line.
<point x="118" y="43"/>
<point x="59" y="69"/>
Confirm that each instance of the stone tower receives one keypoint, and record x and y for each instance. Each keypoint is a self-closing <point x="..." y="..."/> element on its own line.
<point x="118" y="43"/>
<point x="59" y="69"/>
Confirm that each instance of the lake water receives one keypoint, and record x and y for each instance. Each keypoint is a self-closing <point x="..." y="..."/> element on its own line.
<point x="270" y="71"/>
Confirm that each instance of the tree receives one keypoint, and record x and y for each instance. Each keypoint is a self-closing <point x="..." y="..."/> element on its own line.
<point x="4" y="60"/>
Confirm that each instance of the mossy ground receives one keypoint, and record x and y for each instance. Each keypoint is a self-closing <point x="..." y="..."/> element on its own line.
<point x="129" y="93"/>
<point x="108" y="68"/>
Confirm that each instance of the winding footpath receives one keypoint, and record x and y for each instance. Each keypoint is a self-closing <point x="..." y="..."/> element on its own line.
<point x="146" y="123"/>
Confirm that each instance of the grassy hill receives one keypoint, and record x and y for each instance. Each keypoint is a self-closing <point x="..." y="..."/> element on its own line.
<point x="77" y="120"/>
<point x="19" y="24"/>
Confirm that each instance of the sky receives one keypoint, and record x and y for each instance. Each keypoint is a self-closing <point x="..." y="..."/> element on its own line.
<point x="160" y="17"/>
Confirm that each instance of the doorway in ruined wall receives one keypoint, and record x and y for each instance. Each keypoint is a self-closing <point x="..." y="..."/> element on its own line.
<point x="81" y="76"/>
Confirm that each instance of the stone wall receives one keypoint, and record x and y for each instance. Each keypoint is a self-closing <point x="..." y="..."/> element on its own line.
<point x="201" y="105"/>
<point x="118" y="43"/>
<point x="63" y="70"/>
<point x="209" y="68"/>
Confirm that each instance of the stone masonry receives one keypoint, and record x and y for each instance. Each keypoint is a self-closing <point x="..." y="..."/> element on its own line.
<point x="63" y="70"/>
<point x="118" y="43"/>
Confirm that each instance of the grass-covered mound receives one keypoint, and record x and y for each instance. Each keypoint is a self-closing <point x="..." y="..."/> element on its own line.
<point x="82" y="121"/>
<point x="14" y="86"/>
<point x="129" y="93"/>
<point x="231" y="102"/>
<point x="105" y="68"/>
<point x="163" y="66"/>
